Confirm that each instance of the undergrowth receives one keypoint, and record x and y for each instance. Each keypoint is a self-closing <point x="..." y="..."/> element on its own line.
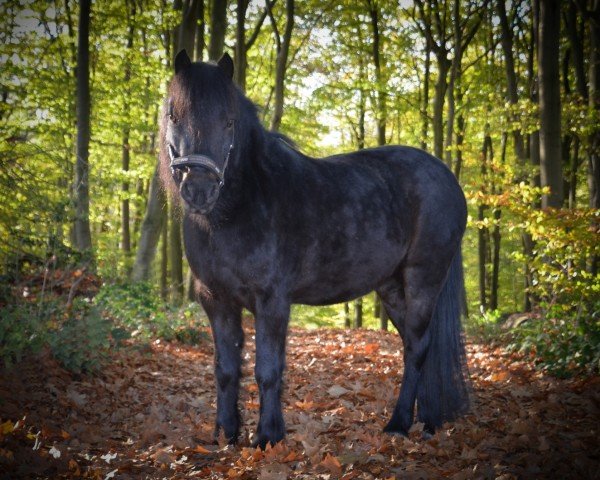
<point x="563" y="342"/>
<point x="81" y="334"/>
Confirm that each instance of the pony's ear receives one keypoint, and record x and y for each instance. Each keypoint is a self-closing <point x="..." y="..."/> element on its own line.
<point x="226" y="63"/>
<point x="182" y="61"/>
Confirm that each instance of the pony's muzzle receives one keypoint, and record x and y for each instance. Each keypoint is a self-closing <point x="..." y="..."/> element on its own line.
<point x="199" y="190"/>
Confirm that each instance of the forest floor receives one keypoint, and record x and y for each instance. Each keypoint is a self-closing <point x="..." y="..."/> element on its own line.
<point x="149" y="414"/>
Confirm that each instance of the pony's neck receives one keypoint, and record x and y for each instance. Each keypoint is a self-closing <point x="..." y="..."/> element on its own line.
<point x="242" y="176"/>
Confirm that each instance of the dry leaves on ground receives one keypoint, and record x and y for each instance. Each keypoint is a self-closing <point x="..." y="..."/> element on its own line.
<point x="149" y="414"/>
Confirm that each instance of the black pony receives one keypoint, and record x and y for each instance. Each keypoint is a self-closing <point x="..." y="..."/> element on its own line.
<point x="266" y="226"/>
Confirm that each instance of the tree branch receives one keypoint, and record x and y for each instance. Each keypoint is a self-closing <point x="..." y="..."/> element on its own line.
<point x="259" y="23"/>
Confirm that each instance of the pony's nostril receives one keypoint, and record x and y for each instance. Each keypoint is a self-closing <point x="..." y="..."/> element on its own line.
<point x="189" y="193"/>
<point x="213" y="193"/>
<point x="199" y="197"/>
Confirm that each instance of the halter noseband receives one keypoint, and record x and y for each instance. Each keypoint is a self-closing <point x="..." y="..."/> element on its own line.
<point x="197" y="160"/>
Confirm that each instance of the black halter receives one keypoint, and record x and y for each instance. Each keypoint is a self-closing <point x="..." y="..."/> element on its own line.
<point x="197" y="160"/>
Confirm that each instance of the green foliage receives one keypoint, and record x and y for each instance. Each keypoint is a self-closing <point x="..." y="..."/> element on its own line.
<point x="78" y="337"/>
<point x="563" y="342"/>
<point x="137" y="310"/>
<point x="21" y="330"/>
<point x="82" y="340"/>
<point x="484" y="326"/>
<point x="333" y="316"/>
<point x="81" y="335"/>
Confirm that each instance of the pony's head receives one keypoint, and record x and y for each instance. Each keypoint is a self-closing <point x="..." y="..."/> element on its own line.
<point x="198" y="131"/>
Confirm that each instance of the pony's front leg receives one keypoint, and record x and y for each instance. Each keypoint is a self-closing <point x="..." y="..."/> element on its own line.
<point x="271" y="330"/>
<point x="228" y="336"/>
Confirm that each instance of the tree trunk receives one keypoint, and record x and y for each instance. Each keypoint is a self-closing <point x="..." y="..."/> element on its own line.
<point x="200" y="27"/>
<point x="534" y="158"/>
<point x="175" y="254"/>
<point x="240" y="45"/>
<point x="362" y="103"/>
<point x="574" y="166"/>
<point x="125" y="150"/>
<point x="164" y="261"/>
<point x="383" y="319"/>
<point x="483" y="235"/>
<point x="150" y="230"/>
<point x="218" y="28"/>
<point x="549" y="93"/>
<point x="358" y="313"/>
<point x="125" y="230"/>
<point x="81" y="227"/>
<point x="381" y="90"/>
<point x="347" y="323"/>
<point x="281" y="65"/>
<point x="425" y="105"/>
<point x="511" y="75"/>
<point x="594" y="102"/>
<point x="460" y="137"/>
<point x="481" y="253"/>
<point x="187" y="28"/>
<point x="575" y="29"/>
<point x="441" y="85"/>
<point x="455" y="73"/>
<point x="496" y="239"/>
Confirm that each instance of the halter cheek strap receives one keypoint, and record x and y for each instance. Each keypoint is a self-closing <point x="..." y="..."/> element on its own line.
<point x="197" y="160"/>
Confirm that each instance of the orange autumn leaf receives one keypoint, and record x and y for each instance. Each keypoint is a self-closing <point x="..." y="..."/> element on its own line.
<point x="332" y="464"/>
<point x="371" y="348"/>
<point x="201" y="449"/>
<point x="305" y="405"/>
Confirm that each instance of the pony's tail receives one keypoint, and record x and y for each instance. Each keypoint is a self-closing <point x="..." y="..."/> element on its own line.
<point x="443" y="389"/>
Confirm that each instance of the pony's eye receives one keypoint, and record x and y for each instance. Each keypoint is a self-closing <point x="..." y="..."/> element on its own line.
<point x="172" y="118"/>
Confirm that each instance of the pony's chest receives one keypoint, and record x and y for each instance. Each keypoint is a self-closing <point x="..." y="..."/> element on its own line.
<point x="238" y="262"/>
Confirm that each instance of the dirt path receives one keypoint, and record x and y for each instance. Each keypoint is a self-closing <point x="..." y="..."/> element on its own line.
<point x="150" y="415"/>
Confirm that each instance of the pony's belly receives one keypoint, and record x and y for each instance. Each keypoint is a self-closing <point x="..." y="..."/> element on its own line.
<point x="327" y="296"/>
<point x="327" y="284"/>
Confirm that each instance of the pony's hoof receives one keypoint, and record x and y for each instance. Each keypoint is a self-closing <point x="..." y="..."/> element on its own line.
<point x="395" y="431"/>
<point x="220" y="435"/>
<point x="262" y="442"/>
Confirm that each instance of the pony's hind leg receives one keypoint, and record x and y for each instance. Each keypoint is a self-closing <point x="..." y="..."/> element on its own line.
<point x="421" y="288"/>
<point x="392" y="298"/>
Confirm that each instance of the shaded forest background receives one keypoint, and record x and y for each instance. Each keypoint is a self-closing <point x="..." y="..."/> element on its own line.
<point x="507" y="94"/>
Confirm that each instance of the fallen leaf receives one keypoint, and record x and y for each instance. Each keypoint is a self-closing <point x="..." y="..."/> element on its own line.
<point x="337" y="391"/>
<point x="274" y="471"/>
<point x="6" y="427"/>
<point x="331" y="463"/>
<point x="201" y="449"/>
<point x="161" y="456"/>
